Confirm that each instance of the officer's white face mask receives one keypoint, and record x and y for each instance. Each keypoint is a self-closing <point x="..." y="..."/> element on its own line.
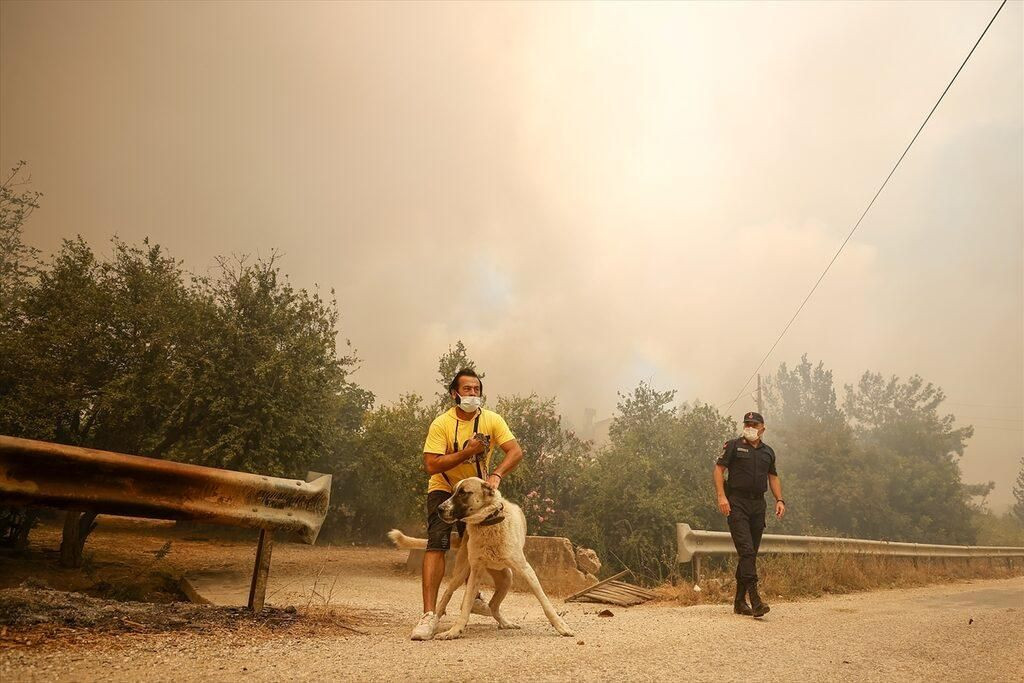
<point x="749" y="433"/>
<point x="470" y="404"/>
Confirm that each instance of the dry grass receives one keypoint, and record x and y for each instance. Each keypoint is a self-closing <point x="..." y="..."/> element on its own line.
<point x="321" y="594"/>
<point x="790" y="577"/>
<point x="127" y="588"/>
<point x="39" y="616"/>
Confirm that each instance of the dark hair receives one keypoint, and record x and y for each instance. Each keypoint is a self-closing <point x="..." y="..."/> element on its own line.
<point x="464" y="372"/>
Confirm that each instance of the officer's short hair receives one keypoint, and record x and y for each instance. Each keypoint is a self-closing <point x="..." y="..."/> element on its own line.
<point x="464" y="372"/>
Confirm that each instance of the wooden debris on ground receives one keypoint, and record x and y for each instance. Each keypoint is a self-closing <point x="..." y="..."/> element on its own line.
<point x="614" y="592"/>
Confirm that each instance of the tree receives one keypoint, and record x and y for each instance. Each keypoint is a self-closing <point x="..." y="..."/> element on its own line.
<point x="17" y="259"/>
<point x="654" y="473"/>
<point x="804" y="394"/>
<point x="447" y="365"/>
<point x="1018" y="494"/>
<point x="51" y="391"/>
<point x="18" y="265"/>
<point x="818" y="452"/>
<point x="131" y="354"/>
<point x="899" y="425"/>
<point x="884" y="466"/>
<point x="992" y="529"/>
<point x="384" y="464"/>
<point x="278" y="392"/>
<point x="547" y="481"/>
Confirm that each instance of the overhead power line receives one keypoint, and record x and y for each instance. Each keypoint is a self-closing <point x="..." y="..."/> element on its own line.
<point x="865" y="212"/>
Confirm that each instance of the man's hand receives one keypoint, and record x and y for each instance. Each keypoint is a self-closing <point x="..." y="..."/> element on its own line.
<point x="723" y="505"/>
<point x="780" y="508"/>
<point x="476" y="446"/>
<point x="494" y="480"/>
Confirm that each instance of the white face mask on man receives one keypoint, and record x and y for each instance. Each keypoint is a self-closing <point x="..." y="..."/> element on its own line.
<point x="750" y="434"/>
<point x="470" y="404"/>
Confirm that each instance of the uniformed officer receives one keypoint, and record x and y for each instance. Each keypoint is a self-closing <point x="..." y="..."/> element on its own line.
<point x="751" y="465"/>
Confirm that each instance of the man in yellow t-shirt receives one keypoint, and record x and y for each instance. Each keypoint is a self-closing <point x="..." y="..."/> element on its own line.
<point x="459" y="445"/>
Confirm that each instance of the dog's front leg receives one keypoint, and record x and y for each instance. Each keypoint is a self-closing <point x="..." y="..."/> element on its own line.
<point x="459" y="574"/>
<point x="467" y="606"/>
<point x="524" y="568"/>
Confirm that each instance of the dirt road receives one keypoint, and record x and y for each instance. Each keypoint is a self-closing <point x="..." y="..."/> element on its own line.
<point x="919" y="634"/>
<point x="966" y="631"/>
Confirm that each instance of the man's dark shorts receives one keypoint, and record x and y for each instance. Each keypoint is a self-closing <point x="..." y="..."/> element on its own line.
<point x="439" y="531"/>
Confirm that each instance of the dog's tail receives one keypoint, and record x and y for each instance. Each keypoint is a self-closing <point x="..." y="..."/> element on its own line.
<point x="410" y="543"/>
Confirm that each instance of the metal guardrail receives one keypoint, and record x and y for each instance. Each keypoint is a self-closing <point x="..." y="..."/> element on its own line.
<point x="102" y="482"/>
<point x="694" y="543"/>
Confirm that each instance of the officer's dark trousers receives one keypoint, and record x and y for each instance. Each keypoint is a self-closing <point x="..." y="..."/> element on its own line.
<point x="746" y="524"/>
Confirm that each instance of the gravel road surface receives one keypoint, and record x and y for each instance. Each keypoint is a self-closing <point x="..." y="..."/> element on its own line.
<point x="970" y="631"/>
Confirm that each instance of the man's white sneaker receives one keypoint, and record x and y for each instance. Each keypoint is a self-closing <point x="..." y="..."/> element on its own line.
<point x="425" y="629"/>
<point x="480" y="607"/>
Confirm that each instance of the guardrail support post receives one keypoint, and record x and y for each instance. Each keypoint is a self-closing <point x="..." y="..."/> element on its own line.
<point x="695" y="567"/>
<point x="77" y="527"/>
<point x="258" y="589"/>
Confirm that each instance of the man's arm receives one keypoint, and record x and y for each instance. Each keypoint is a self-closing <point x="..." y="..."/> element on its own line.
<point x="513" y="454"/>
<point x="776" y="486"/>
<point x="435" y="463"/>
<point x="723" y="501"/>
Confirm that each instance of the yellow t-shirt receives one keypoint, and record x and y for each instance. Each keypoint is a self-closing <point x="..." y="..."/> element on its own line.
<point x="441" y="440"/>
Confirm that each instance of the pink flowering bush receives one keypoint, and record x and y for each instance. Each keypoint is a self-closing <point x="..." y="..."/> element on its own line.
<point x="547" y="482"/>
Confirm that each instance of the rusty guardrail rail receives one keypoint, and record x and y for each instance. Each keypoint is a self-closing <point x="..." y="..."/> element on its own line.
<point x="694" y="543"/>
<point x="101" y="482"/>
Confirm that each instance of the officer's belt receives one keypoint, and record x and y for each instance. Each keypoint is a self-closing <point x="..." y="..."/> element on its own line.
<point x="746" y="494"/>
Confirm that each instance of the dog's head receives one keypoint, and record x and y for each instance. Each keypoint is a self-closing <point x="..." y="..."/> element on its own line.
<point x="472" y="500"/>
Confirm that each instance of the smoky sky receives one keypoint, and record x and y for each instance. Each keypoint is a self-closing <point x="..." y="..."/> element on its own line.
<point x="588" y="195"/>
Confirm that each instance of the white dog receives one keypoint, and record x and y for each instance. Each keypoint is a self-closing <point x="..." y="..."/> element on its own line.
<point x="496" y="534"/>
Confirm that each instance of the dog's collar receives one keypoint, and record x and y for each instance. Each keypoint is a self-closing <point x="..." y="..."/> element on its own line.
<point x="494" y="517"/>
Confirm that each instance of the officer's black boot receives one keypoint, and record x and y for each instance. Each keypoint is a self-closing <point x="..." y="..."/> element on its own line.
<point x="758" y="608"/>
<point x="739" y="605"/>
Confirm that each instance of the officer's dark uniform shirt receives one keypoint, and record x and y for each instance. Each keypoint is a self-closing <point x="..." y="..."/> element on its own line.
<point x="748" y="466"/>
